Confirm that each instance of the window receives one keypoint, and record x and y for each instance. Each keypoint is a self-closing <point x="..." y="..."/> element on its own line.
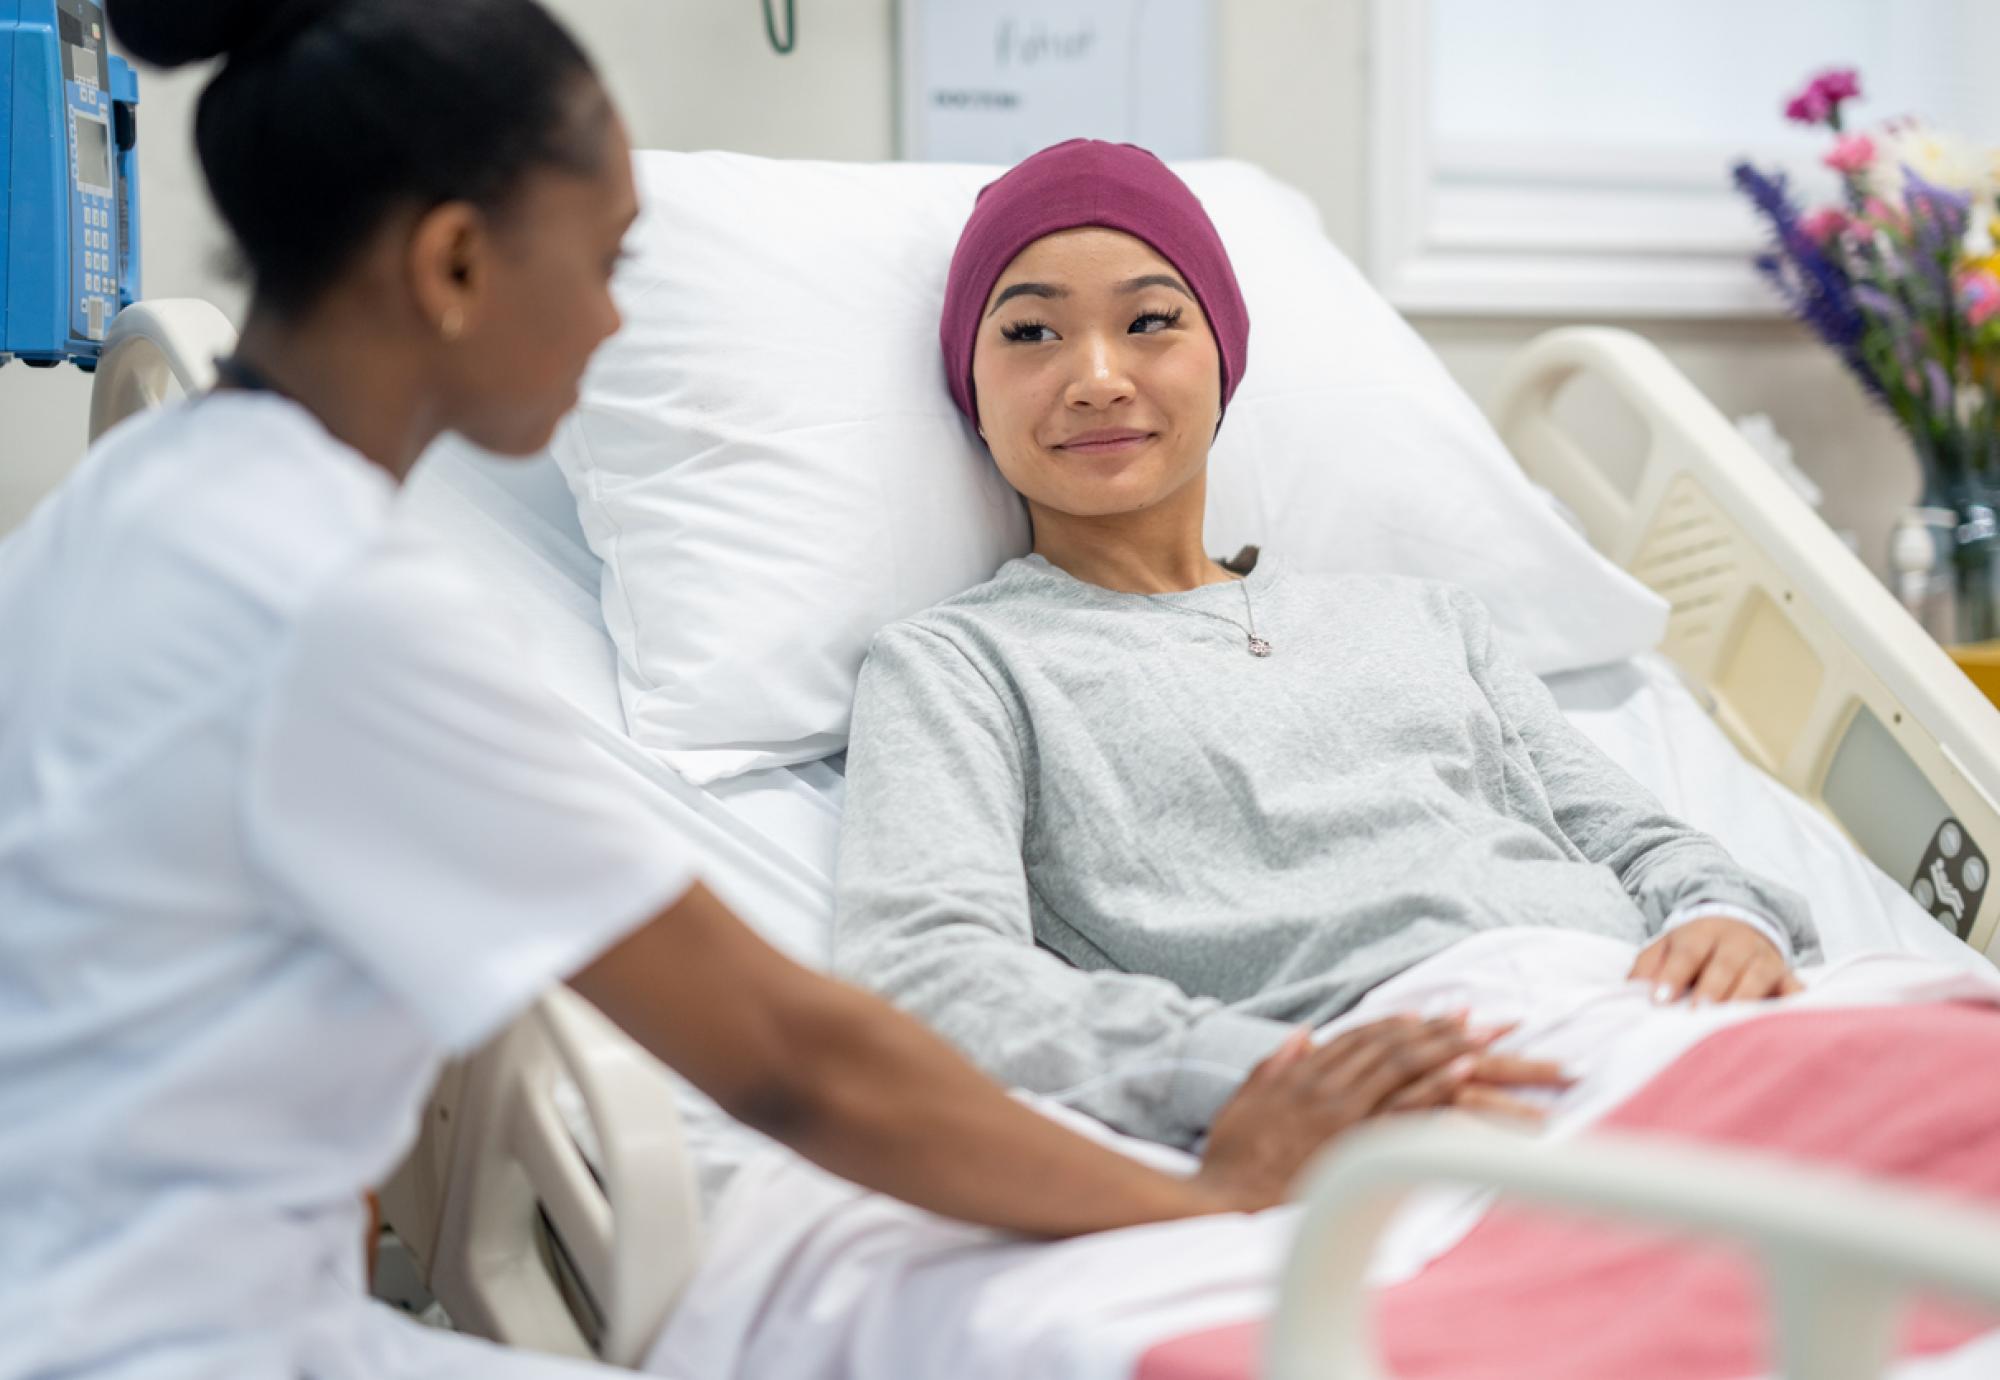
<point x="1572" y="157"/>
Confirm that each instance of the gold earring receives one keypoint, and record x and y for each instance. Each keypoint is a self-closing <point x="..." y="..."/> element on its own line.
<point x="453" y="325"/>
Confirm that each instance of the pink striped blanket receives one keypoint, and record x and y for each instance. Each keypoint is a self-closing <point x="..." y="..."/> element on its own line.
<point x="1909" y="1094"/>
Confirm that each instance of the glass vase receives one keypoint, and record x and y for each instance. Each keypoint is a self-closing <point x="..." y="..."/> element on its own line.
<point x="1960" y="493"/>
<point x="1975" y="562"/>
<point x="1921" y="571"/>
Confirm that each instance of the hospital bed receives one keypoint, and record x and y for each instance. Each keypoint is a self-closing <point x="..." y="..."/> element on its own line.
<point x="551" y="1194"/>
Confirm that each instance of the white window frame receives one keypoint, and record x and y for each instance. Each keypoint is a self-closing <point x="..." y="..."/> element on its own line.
<point x="1521" y="230"/>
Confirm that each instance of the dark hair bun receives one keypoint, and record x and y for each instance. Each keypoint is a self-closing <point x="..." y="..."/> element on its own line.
<point x="331" y="115"/>
<point x="171" y="33"/>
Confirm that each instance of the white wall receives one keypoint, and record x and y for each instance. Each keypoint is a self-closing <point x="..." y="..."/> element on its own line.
<point x="699" y="74"/>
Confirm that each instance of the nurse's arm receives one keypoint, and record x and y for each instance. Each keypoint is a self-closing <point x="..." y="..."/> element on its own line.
<point x="872" y="1095"/>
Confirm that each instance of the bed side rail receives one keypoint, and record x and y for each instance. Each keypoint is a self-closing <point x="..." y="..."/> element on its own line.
<point x="1843" y="1254"/>
<point x="1808" y="663"/>
<point x="153" y="349"/>
<point x="540" y="1246"/>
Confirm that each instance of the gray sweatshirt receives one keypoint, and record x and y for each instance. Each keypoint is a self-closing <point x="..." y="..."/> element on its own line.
<point x="1112" y="855"/>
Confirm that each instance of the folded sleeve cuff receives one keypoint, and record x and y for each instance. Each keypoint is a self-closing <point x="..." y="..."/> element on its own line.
<point x="1218" y="1054"/>
<point x="1756" y="920"/>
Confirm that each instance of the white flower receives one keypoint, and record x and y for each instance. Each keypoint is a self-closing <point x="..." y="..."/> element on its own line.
<point x="1938" y="156"/>
<point x="1978" y="236"/>
<point x="1971" y="401"/>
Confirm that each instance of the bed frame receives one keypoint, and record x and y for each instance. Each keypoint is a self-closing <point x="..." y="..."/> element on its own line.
<point x="1842" y="1255"/>
<point x="1801" y="655"/>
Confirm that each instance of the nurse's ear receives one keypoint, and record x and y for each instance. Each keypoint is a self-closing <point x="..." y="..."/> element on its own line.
<point x="446" y="263"/>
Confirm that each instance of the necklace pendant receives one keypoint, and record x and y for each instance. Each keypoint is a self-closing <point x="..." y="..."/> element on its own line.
<point x="1259" y="647"/>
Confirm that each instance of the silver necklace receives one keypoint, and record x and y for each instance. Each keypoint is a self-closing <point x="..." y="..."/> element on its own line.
<point x="1258" y="646"/>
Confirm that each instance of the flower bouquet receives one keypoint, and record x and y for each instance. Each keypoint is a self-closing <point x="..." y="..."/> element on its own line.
<point x="1900" y="278"/>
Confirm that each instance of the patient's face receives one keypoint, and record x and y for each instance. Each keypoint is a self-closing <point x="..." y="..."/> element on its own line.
<point x="1098" y="380"/>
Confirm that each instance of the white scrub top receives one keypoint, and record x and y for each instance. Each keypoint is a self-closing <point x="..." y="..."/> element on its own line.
<point x="282" y="823"/>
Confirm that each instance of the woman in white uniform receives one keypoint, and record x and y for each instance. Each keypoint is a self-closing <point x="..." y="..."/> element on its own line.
<point x="281" y="826"/>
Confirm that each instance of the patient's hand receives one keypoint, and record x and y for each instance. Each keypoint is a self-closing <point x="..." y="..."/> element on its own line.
<point x="1717" y="959"/>
<point x="1303" y="1096"/>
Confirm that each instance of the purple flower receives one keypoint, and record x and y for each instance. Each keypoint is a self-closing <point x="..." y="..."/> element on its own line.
<point x="1952" y="210"/>
<point x="1938" y="220"/>
<point x="1880" y="305"/>
<point x="1939" y="386"/>
<point x="1813" y="283"/>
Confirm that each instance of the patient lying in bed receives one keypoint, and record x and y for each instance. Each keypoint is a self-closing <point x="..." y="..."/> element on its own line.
<point x="1085" y="830"/>
<point x="1120" y="817"/>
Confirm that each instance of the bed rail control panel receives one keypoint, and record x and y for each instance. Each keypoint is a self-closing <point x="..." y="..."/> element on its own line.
<point x="1896" y="815"/>
<point x="69" y="202"/>
<point x="1951" y="880"/>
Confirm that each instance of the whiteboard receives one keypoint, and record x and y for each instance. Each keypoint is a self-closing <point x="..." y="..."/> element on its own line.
<point x="992" y="81"/>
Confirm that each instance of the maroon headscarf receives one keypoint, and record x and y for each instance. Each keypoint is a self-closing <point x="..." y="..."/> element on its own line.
<point x="1088" y="182"/>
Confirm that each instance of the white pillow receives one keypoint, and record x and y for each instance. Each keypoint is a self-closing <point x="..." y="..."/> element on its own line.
<point x="769" y="465"/>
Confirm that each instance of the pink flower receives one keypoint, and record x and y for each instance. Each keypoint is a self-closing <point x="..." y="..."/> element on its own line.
<point x="1979" y="294"/>
<point x="1853" y="154"/>
<point x="1819" y="103"/>
<point x="1884" y="215"/>
<point x="1823" y="224"/>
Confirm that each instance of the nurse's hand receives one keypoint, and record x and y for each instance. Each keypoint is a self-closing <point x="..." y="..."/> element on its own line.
<point x="1303" y="1096"/>
<point x="1717" y="959"/>
<point x="1485" y="1090"/>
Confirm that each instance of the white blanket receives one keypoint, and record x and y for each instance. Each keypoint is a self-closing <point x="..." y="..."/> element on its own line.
<point x="810" y="1278"/>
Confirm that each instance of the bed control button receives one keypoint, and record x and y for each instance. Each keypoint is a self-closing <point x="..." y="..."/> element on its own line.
<point x="1951" y="878"/>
